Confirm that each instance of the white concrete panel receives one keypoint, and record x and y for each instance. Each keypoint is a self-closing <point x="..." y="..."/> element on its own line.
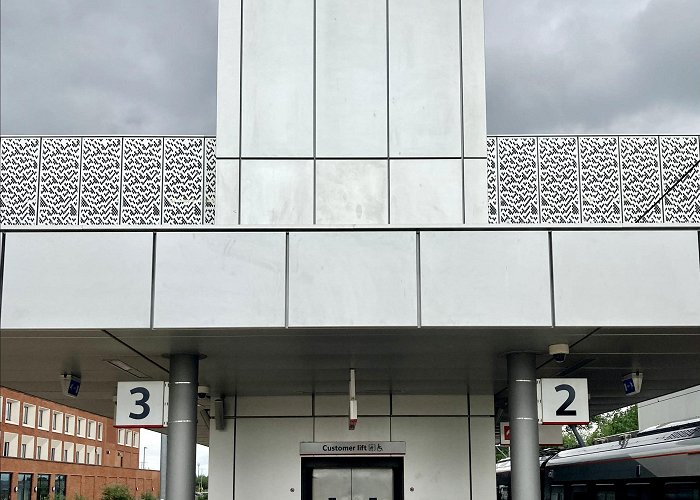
<point x="352" y="279"/>
<point x="475" y="192"/>
<point x="429" y="405"/>
<point x="335" y="405"/>
<point x="227" y="178"/>
<point x="626" y="278"/>
<point x="268" y="464"/>
<point x="221" y="463"/>
<point x="426" y="191"/>
<point x="77" y="280"/>
<point x="210" y="280"/>
<point x="277" y="192"/>
<point x="481" y="404"/>
<point x="474" y="79"/>
<point x="352" y="192"/>
<point x="228" y="79"/>
<point x="424" y="78"/>
<point x="483" y="457"/>
<point x="274" y="406"/>
<point x="437" y="456"/>
<point x="368" y="429"/>
<point x="485" y="278"/>
<point x="351" y="98"/>
<point x="681" y="405"/>
<point x="278" y="65"/>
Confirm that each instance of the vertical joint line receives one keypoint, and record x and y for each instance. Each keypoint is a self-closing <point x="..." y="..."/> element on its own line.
<point x="539" y="189"/>
<point x="469" y="431"/>
<point x="162" y="182"/>
<point x="121" y="181"/>
<point x="314" y="114"/>
<point x="204" y="179"/>
<point x="240" y="116"/>
<point x="461" y="113"/>
<point x="580" y="185"/>
<point x="419" y="318"/>
<point x="80" y="180"/>
<point x="551" y="278"/>
<point x="3" y="244"/>
<point x="498" y="181"/>
<point x="286" y="280"/>
<point x="662" y="201"/>
<point x="153" y="279"/>
<point x="235" y="448"/>
<point x="388" y="135"/>
<point x="619" y="173"/>
<point x="38" y="181"/>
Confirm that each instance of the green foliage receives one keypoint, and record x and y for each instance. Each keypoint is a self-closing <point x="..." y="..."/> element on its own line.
<point x="148" y="496"/>
<point x="58" y="496"/>
<point x="202" y="483"/>
<point x="79" y="497"/>
<point x="116" y="492"/>
<point x="606" y="424"/>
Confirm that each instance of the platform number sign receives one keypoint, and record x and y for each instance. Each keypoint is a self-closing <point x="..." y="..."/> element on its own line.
<point x="142" y="404"/>
<point x="563" y="400"/>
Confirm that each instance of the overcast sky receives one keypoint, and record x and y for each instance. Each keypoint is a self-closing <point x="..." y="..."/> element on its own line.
<point x="149" y="66"/>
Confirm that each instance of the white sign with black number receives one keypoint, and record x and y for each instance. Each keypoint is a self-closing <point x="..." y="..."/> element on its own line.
<point x="563" y="400"/>
<point x="142" y="404"/>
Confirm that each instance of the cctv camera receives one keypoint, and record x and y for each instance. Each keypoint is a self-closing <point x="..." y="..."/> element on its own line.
<point x="559" y="352"/>
<point x="202" y="391"/>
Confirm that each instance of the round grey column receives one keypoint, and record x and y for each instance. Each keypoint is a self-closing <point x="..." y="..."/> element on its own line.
<point x="524" y="434"/>
<point x="182" y="427"/>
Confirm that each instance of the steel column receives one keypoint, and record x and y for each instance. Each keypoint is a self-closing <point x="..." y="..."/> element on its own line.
<point x="163" y="464"/>
<point x="182" y="427"/>
<point x="524" y="434"/>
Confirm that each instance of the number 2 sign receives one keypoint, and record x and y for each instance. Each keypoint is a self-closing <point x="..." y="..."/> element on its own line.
<point x="563" y="400"/>
<point x="142" y="404"/>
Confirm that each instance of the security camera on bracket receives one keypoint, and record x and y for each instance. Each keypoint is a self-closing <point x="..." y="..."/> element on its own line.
<point x="559" y="352"/>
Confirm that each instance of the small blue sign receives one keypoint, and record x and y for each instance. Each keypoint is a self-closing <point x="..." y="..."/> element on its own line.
<point x="74" y="387"/>
<point x="629" y="386"/>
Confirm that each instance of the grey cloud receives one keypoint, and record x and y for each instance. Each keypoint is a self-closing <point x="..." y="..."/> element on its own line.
<point x="149" y="67"/>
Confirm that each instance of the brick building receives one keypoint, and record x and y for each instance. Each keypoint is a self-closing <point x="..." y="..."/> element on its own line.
<point x="50" y="450"/>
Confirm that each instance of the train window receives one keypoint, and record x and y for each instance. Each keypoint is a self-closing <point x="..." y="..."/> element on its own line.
<point x="604" y="492"/>
<point x="639" y="491"/>
<point x="502" y="492"/>
<point x="556" y="492"/>
<point x="579" y="492"/>
<point x="681" y="491"/>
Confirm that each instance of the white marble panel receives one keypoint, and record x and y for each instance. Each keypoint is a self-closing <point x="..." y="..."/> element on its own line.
<point x="367" y="404"/>
<point x="336" y="429"/>
<point x="429" y="404"/>
<point x="352" y="192"/>
<point x="278" y="67"/>
<point x="228" y="81"/>
<point x="77" y="280"/>
<point x="424" y="78"/>
<point x="274" y="406"/>
<point x="426" y="191"/>
<point x="221" y="459"/>
<point x="473" y="78"/>
<point x="626" y="278"/>
<point x="436" y="464"/>
<point x="216" y="280"/>
<point x="352" y="279"/>
<point x="267" y="457"/>
<point x="351" y="98"/>
<point x="476" y="198"/>
<point x="277" y="192"/>
<point x="485" y="278"/>
<point x="483" y="457"/>
<point x="227" y="192"/>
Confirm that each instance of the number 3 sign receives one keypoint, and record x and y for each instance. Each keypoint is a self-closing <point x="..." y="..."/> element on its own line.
<point x="142" y="404"/>
<point x="563" y="400"/>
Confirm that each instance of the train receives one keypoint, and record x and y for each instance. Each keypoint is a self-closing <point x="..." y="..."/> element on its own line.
<point x="659" y="463"/>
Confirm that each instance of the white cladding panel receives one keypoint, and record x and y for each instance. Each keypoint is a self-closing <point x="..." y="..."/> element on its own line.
<point x="424" y="78"/>
<point x="221" y="463"/>
<point x="352" y="279"/>
<point x="429" y="404"/>
<point x="268" y="464"/>
<point x="227" y="180"/>
<point x="476" y="201"/>
<point x="474" y="80"/>
<point x="426" y="192"/>
<point x="486" y="278"/>
<point x="274" y="406"/>
<point x="679" y="405"/>
<point x="351" y="92"/>
<point x="367" y="404"/>
<point x="437" y="456"/>
<point x="352" y="192"/>
<point x="277" y="192"/>
<point x="483" y="457"/>
<point x="368" y="429"/>
<point x="481" y="404"/>
<point x="209" y="280"/>
<point x="278" y="87"/>
<point x="626" y="278"/>
<point x="77" y="280"/>
<point x="228" y="72"/>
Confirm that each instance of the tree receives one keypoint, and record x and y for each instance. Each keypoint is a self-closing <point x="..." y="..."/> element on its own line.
<point x="603" y="425"/>
<point x="116" y="492"/>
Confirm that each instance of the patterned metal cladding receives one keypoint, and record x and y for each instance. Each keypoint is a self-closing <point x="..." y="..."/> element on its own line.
<point x="156" y="180"/>
<point x="19" y="180"/>
<point x="59" y="181"/>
